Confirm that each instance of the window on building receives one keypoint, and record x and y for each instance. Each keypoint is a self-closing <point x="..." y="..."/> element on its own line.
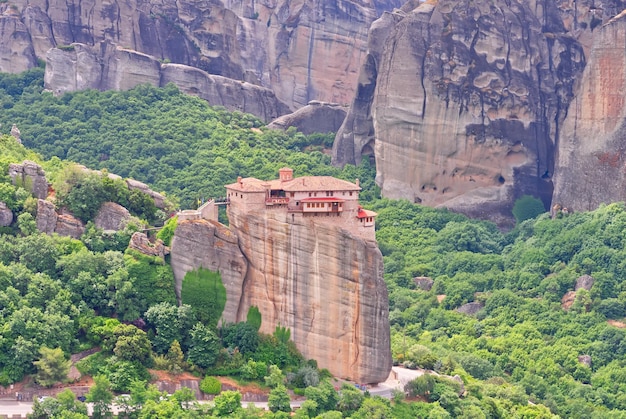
<point x="293" y="194"/>
<point x="350" y="193"/>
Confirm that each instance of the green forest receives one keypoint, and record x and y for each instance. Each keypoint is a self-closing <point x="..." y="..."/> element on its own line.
<point x="521" y="354"/>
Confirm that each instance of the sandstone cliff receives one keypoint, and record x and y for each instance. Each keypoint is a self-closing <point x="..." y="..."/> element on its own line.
<point x="109" y="67"/>
<point x="463" y="102"/>
<point x="314" y="117"/>
<point x="302" y="50"/>
<point x="591" y="165"/>
<point x="320" y="281"/>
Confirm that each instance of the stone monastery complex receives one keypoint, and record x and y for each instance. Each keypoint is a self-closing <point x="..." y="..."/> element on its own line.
<point x="324" y="198"/>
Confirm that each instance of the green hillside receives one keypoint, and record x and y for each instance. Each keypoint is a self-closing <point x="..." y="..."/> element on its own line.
<point x="522" y="354"/>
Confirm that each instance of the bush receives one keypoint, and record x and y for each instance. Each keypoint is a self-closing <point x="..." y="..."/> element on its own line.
<point x="254" y="317"/>
<point x="527" y="207"/>
<point x="167" y="232"/>
<point x="210" y="385"/>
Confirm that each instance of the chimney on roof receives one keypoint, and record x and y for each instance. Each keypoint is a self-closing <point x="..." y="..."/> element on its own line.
<point x="239" y="181"/>
<point x="356" y="182"/>
<point x="285" y="174"/>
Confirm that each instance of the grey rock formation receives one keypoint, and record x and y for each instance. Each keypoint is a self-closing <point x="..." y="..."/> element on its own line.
<point x="591" y="165"/>
<point x="423" y="282"/>
<point x="46" y="216"/>
<point x="139" y="241"/>
<point x="322" y="282"/>
<point x="15" y="132"/>
<point x="303" y="50"/>
<point x="209" y="245"/>
<point x="31" y="177"/>
<point x="584" y="282"/>
<point x="470" y="308"/>
<point x="111" y="217"/>
<point x="159" y="200"/>
<point x="68" y="225"/>
<point x="6" y="215"/>
<point x="585" y="360"/>
<point x="109" y="67"/>
<point x="315" y="117"/>
<point x="463" y="102"/>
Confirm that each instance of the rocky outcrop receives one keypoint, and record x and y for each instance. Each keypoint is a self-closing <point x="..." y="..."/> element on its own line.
<point x="31" y="177"/>
<point x="423" y="282"/>
<point x="46" y="216"/>
<point x="15" y="133"/>
<point x="139" y="241"/>
<point x="463" y="102"/>
<point x="315" y="117"/>
<point x="6" y="215"/>
<point x="470" y="308"/>
<point x="68" y="225"/>
<point x="210" y="245"/>
<point x="591" y="165"/>
<point x="159" y="200"/>
<point x="584" y="282"/>
<point x="108" y="67"/>
<point x="322" y="282"/>
<point x="111" y="217"/>
<point x="302" y="50"/>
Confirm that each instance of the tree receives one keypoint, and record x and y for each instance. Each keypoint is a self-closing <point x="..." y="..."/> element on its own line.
<point x="275" y="377"/>
<point x="243" y="336"/>
<point x="350" y="399"/>
<point x="175" y="358"/>
<point x="170" y="323"/>
<point x="210" y="385"/>
<point x="227" y="403"/>
<point x="101" y="397"/>
<point x="205" y="346"/>
<point x="279" y="400"/>
<point x="374" y="408"/>
<point x="324" y="395"/>
<point x="132" y="344"/>
<point x="51" y="366"/>
<point x="527" y="207"/>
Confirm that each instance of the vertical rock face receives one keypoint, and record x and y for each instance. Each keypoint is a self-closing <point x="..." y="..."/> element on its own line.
<point x="210" y="245"/>
<point x="31" y="177"/>
<point x="80" y="66"/>
<point x="591" y="165"/>
<point x="302" y="50"/>
<point x="463" y="102"/>
<point x="322" y="282"/>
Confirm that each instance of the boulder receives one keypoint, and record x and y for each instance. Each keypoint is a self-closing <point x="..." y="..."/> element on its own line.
<point x="112" y="216"/>
<point x="585" y="360"/>
<point x="15" y="133"/>
<point x="470" y="308"/>
<point x="68" y="225"/>
<point x="139" y="241"/>
<point x="315" y="117"/>
<point x="584" y="282"/>
<point x="6" y="215"/>
<point x="423" y="282"/>
<point x="31" y="177"/>
<point x="46" y="216"/>
<point x="159" y="200"/>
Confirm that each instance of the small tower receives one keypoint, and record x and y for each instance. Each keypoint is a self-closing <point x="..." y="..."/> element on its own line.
<point x="285" y="174"/>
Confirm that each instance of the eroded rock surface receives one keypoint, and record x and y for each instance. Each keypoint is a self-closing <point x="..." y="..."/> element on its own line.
<point x="322" y="282"/>
<point x="46" y="216"/>
<point x="112" y="216"/>
<point x="463" y="102"/>
<point x="31" y="177"/>
<point x="210" y="245"/>
<point x="139" y="241"/>
<point x="108" y="67"/>
<point x="6" y="215"/>
<point x="315" y="117"/>
<point x="302" y="50"/>
<point x="68" y="225"/>
<point x="591" y="165"/>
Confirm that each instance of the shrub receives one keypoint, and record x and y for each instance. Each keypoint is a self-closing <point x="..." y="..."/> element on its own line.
<point x="254" y="317"/>
<point x="167" y="232"/>
<point x="527" y="207"/>
<point x="210" y="385"/>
